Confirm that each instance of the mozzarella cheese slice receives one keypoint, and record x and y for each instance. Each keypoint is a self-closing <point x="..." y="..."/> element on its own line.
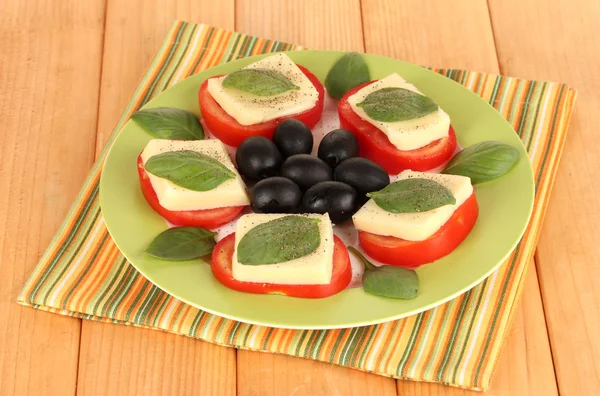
<point x="413" y="226"/>
<point x="173" y="197"/>
<point x="248" y="109"/>
<point x="409" y="134"/>
<point x="313" y="269"/>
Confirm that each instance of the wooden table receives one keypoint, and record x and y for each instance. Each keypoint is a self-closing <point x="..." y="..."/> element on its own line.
<point x="67" y="69"/>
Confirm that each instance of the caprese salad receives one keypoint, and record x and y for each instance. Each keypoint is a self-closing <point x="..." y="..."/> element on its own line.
<point x="277" y="221"/>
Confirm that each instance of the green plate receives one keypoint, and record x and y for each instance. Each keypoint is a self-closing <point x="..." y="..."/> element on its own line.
<point x="505" y="207"/>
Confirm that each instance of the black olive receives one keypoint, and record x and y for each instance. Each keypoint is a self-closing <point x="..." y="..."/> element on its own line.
<point x="305" y="170"/>
<point x="293" y="137"/>
<point x="258" y="158"/>
<point x="362" y="174"/>
<point x="336" y="198"/>
<point x="338" y="146"/>
<point x="275" y="195"/>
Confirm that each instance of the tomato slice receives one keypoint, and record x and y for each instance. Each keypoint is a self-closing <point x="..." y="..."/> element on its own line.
<point x="411" y="254"/>
<point x="375" y="145"/>
<point x="207" y="218"/>
<point x="340" y="279"/>
<point x="231" y="132"/>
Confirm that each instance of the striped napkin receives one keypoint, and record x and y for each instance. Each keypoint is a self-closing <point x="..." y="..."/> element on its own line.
<point x="83" y="274"/>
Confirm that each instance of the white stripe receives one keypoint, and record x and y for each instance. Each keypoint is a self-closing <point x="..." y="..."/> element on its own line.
<point x="190" y="55"/>
<point x="424" y="341"/>
<point x="471" y="81"/>
<point x="342" y="358"/>
<point x="75" y="264"/>
<point x="478" y="326"/>
<point x="168" y="312"/>
<point x="255" y="332"/>
<point x="375" y="350"/>
<point x="538" y="133"/>
<point x="503" y="102"/>
<point x="208" y="324"/>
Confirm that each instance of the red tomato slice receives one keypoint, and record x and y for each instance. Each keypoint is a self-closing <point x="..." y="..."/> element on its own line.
<point x="208" y="218"/>
<point x="341" y="276"/>
<point x="411" y="254"/>
<point x="375" y="145"/>
<point x="231" y="132"/>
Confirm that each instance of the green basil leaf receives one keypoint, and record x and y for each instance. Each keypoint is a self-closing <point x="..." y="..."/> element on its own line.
<point x="182" y="243"/>
<point x="348" y="72"/>
<point x="169" y="123"/>
<point x="483" y="161"/>
<point x="388" y="281"/>
<point x="189" y="169"/>
<point x="259" y="82"/>
<point x="412" y="196"/>
<point x="397" y="104"/>
<point x="276" y="241"/>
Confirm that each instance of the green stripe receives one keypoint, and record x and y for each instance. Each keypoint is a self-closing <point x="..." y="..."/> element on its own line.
<point x="372" y="331"/>
<point x="63" y="247"/>
<point x="474" y="318"/>
<point x="66" y="265"/>
<point x="150" y="91"/>
<point x="411" y="343"/>
<point x="203" y="51"/>
<point x="336" y="345"/>
<point x="182" y="57"/>
<point x="161" y="309"/>
<point x="453" y="336"/>
<point x="442" y="330"/>
<point x="235" y="39"/>
<point x="114" y="274"/>
<point x="550" y="138"/>
<point x="85" y="271"/>
<point x="496" y="313"/>
<point x="269" y="333"/>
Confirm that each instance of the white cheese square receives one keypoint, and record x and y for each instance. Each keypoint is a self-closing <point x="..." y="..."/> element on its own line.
<point x="313" y="269"/>
<point x="248" y="109"/>
<point x="173" y="197"/>
<point x="409" y="134"/>
<point x="413" y="226"/>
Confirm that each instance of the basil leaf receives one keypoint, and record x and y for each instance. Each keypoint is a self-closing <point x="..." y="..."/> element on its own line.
<point x="348" y="72"/>
<point x="169" y="123"/>
<point x="189" y="169"/>
<point x="182" y="243"/>
<point x="276" y="241"/>
<point x="483" y="161"/>
<point x="412" y="196"/>
<point x="388" y="281"/>
<point x="259" y="82"/>
<point x="397" y="104"/>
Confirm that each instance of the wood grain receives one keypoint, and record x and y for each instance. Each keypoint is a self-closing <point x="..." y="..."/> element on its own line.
<point x="459" y="35"/>
<point x="122" y="360"/>
<point x="316" y="24"/>
<point x="262" y="374"/>
<point x="560" y="40"/>
<point x="119" y="360"/>
<point x="50" y="55"/>
<point x="450" y="34"/>
<point x="134" y="32"/>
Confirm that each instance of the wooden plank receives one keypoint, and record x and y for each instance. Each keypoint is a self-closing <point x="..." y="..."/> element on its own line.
<point x="135" y="31"/>
<point x="120" y="360"/>
<point x="316" y="25"/>
<point x="560" y="40"/>
<point x="447" y="34"/>
<point x="262" y="374"/>
<point x="50" y="56"/>
<point x="459" y="35"/>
